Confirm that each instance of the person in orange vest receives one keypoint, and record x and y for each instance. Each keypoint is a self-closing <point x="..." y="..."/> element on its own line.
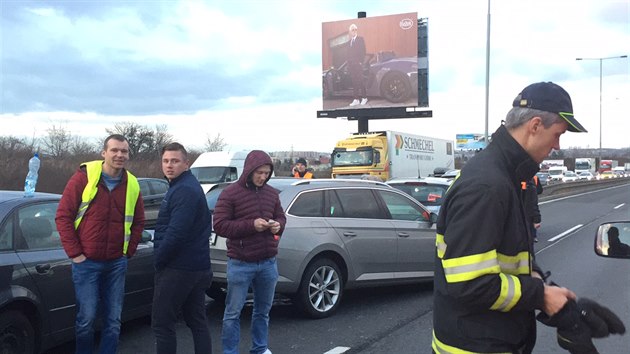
<point x="531" y="190"/>
<point x="299" y="170"/>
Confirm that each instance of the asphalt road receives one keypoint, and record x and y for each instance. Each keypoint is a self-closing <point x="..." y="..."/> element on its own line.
<point x="399" y="319"/>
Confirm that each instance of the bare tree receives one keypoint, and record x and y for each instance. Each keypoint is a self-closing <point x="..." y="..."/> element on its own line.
<point x="215" y="144"/>
<point x="134" y="132"/>
<point x="80" y="147"/>
<point x="57" y="141"/>
<point x="161" y="137"/>
<point x="143" y="140"/>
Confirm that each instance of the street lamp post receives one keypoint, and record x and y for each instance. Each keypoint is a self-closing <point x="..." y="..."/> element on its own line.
<point x="600" y="94"/>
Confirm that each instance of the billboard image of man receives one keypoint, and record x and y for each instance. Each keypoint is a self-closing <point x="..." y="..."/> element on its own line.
<point x="356" y="55"/>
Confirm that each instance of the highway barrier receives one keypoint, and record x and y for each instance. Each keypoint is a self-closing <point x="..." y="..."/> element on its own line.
<point x="561" y="189"/>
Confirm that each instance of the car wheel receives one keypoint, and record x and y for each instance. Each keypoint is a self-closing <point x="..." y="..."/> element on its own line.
<point x="16" y="333"/>
<point x="217" y="294"/>
<point x="321" y="289"/>
<point x="395" y="87"/>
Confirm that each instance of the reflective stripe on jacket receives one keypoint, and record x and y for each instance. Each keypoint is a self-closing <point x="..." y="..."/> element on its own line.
<point x="94" y="170"/>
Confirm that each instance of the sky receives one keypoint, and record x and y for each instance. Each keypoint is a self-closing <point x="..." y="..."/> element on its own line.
<point x="251" y="70"/>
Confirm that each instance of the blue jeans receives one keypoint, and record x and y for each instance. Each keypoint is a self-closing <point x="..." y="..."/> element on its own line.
<point x="98" y="285"/>
<point x="177" y="290"/>
<point x="262" y="276"/>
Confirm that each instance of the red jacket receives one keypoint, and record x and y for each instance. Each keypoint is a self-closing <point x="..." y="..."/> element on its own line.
<point x="240" y="204"/>
<point x="100" y="235"/>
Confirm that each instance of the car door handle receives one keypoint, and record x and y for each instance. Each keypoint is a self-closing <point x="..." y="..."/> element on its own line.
<point x="403" y="234"/>
<point x="349" y="234"/>
<point x="42" y="268"/>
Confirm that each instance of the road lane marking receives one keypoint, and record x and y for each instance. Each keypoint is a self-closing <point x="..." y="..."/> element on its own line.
<point x="619" y="206"/>
<point x="565" y="233"/>
<point x="338" y="350"/>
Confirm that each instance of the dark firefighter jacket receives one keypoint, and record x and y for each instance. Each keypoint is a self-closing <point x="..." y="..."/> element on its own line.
<point x="485" y="296"/>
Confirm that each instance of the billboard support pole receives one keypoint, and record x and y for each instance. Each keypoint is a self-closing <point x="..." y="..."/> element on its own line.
<point x="363" y="122"/>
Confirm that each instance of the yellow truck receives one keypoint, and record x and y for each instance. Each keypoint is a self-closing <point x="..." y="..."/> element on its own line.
<point x="388" y="155"/>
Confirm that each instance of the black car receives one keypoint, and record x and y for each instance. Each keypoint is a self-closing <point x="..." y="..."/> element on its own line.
<point x="153" y="191"/>
<point x="37" y="300"/>
<point x="387" y="76"/>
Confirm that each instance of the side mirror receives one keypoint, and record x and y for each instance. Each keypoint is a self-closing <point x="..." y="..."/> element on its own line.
<point x="377" y="157"/>
<point x="613" y="240"/>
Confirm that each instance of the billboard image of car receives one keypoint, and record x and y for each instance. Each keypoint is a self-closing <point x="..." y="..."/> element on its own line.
<point x="374" y="62"/>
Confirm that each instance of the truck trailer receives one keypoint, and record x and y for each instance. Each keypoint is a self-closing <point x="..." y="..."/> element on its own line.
<point x="387" y="155"/>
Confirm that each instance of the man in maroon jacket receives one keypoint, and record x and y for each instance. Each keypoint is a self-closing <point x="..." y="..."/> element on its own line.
<point x="248" y="213"/>
<point x="100" y="220"/>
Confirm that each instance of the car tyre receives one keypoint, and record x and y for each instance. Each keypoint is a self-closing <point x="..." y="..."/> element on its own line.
<point x="395" y="87"/>
<point x="321" y="289"/>
<point x="16" y="333"/>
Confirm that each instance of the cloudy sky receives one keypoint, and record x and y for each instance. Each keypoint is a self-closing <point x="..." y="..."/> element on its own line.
<point x="251" y="70"/>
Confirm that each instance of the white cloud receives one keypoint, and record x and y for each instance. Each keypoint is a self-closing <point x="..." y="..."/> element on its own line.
<point x="531" y="41"/>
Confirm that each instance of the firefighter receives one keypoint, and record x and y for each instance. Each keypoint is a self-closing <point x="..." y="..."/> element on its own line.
<point x="487" y="286"/>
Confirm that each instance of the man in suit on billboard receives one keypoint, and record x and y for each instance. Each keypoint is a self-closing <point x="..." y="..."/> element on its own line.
<point x="356" y="55"/>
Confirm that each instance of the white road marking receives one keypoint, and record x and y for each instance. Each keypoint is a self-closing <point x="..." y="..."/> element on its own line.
<point x="619" y="206"/>
<point x="565" y="233"/>
<point x="338" y="350"/>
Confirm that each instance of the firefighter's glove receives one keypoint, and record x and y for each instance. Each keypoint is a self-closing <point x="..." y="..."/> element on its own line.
<point x="579" y="322"/>
<point x="601" y="320"/>
<point x="573" y="333"/>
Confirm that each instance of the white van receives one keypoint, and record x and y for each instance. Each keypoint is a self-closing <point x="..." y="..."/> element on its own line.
<point x="215" y="167"/>
<point x="556" y="173"/>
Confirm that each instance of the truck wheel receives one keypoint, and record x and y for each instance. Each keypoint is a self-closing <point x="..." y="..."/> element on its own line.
<point x="321" y="289"/>
<point x="16" y="334"/>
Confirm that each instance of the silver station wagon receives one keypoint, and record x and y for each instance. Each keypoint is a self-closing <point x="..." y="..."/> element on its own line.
<point x="341" y="234"/>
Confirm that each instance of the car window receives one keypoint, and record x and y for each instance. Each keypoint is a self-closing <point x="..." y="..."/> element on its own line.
<point x="6" y="235"/>
<point x="159" y="187"/>
<point x="358" y="203"/>
<point x="402" y="208"/>
<point x="309" y="204"/>
<point x="37" y="227"/>
<point x="144" y="188"/>
<point x="232" y="176"/>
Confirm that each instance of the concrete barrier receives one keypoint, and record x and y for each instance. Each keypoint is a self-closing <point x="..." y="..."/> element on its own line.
<point x="561" y="189"/>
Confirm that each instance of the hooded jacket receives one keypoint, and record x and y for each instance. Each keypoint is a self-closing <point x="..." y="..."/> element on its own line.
<point x="240" y="204"/>
<point x="484" y="294"/>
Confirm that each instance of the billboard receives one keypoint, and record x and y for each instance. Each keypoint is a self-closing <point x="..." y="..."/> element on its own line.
<point x="470" y="141"/>
<point x="375" y="63"/>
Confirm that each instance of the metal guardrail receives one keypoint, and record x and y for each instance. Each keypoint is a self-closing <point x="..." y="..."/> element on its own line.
<point x="561" y="189"/>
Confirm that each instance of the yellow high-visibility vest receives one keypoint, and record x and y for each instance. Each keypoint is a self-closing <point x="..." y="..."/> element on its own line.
<point x="94" y="170"/>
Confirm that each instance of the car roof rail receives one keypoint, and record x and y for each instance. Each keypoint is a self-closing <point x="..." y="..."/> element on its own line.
<point x="341" y="180"/>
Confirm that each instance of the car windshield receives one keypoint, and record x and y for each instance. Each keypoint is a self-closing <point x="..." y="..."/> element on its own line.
<point x="426" y="194"/>
<point x="214" y="174"/>
<point x="353" y="158"/>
